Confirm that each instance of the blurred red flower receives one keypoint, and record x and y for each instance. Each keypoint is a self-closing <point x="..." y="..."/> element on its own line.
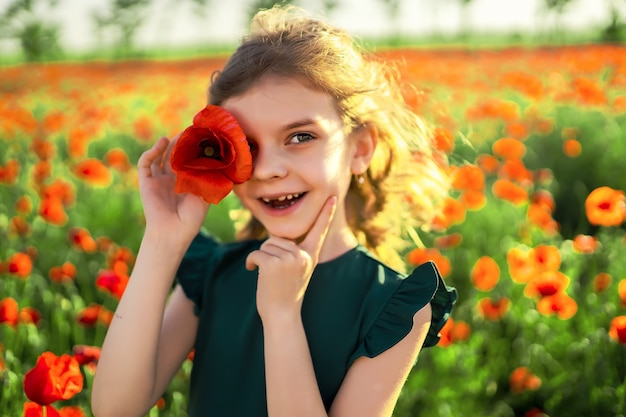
<point x="585" y="244"/>
<point x="53" y="378"/>
<point x="492" y="309"/>
<point x="9" y="172"/>
<point x="211" y="155"/>
<point x="9" y="311"/>
<point x="560" y="304"/>
<point x="19" y="264"/>
<point x="52" y="211"/>
<point x="82" y="240"/>
<point x="420" y="255"/>
<point x="522" y="379"/>
<point x="485" y="273"/>
<point x="605" y="206"/>
<point x="572" y="148"/>
<point x="112" y="282"/>
<point x="117" y="159"/>
<point x="450" y="212"/>
<point x="86" y="354"/>
<point x="468" y="177"/>
<point x="29" y="315"/>
<point x="443" y="139"/>
<point x="546" y="283"/>
<point x="71" y="411"/>
<point x="509" y="148"/>
<point x="601" y="281"/>
<point x="93" y="171"/>
<point x="617" y="330"/>
<point x="448" y="241"/>
<point x="508" y="190"/>
<point x="32" y="409"/>
<point x="62" y="273"/>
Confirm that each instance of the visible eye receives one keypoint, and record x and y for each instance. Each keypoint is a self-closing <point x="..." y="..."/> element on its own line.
<point x="301" y="137"/>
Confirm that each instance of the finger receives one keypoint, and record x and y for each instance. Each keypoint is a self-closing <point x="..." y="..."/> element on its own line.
<point x="148" y="158"/>
<point x="157" y="162"/>
<point x="274" y="243"/>
<point x="255" y="258"/>
<point x="167" y="167"/>
<point x="314" y="240"/>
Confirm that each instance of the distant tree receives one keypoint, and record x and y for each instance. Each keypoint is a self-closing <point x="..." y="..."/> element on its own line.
<point x="615" y="30"/>
<point x="39" y="39"/>
<point x="556" y="8"/>
<point x="123" y="18"/>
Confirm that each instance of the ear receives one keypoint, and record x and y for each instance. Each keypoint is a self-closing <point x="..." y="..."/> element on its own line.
<point x="364" y="141"/>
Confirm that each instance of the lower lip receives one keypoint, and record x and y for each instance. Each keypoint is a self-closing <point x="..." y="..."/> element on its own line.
<point x="276" y="212"/>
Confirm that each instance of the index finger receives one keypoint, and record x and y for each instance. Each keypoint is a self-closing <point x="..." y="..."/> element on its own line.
<point x="314" y="239"/>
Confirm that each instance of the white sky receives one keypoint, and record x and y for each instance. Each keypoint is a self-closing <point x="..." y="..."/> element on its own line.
<point x="173" y="23"/>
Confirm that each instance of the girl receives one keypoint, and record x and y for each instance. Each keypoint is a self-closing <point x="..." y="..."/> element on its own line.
<point x="309" y="312"/>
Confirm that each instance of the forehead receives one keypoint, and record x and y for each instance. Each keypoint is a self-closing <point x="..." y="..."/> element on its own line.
<point x="281" y="101"/>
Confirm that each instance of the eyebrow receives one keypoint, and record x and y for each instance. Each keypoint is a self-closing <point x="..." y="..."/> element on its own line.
<point x="300" y="123"/>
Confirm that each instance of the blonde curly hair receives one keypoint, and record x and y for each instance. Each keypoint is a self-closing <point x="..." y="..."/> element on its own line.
<point x="406" y="177"/>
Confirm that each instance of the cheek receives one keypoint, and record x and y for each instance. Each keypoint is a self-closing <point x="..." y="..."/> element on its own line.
<point x="240" y="192"/>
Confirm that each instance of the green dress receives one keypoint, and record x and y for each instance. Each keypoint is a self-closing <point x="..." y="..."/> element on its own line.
<point x="354" y="306"/>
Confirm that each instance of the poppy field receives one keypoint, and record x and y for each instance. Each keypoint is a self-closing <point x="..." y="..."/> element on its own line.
<point x="533" y="234"/>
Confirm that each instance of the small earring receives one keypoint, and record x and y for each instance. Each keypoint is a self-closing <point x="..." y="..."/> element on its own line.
<point x="360" y="179"/>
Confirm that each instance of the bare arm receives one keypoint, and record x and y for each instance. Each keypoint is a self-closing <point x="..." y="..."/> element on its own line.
<point x="371" y="387"/>
<point x="139" y="356"/>
<point x="146" y="342"/>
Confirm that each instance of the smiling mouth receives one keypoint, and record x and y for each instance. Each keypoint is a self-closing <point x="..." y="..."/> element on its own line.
<point x="283" y="201"/>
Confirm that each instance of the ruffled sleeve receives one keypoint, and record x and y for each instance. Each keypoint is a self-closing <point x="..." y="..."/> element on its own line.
<point x="424" y="285"/>
<point x="196" y="266"/>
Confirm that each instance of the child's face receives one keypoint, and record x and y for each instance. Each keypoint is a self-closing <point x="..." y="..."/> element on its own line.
<point x="301" y="157"/>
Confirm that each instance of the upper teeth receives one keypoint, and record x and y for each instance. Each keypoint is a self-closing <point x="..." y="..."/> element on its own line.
<point x="282" y="197"/>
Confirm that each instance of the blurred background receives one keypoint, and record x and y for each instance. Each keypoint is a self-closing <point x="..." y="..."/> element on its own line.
<point x="56" y="29"/>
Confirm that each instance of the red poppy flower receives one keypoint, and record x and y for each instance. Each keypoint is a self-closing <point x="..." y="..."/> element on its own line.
<point x="606" y="207"/>
<point x="601" y="281"/>
<point x="585" y="244"/>
<point x="420" y="255"/>
<point x="32" y="409"/>
<point x="112" y="282"/>
<point x="509" y="148"/>
<point x="71" y="411"/>
<point x="82" y="240"/>
<point x="53" y="378"/>
<point x="89" y="315"/>
<point x="485" y="274"/>
<point x="19" y="264"/>
<point x="508" y="190"/>
<point x="522" y="379"/>
<point x="617" y="331"/>
<point x="492" y="309"/>
<point x="29" y="315"/>
<point x="93" y="171"/>
<point x="86" y="354"/>
<point x="53" y="211"/>
<point x="560" y="304"/>
<point x="211" y="155"/>
<point x="62" y="273"/>
<point x="9" y="311"/>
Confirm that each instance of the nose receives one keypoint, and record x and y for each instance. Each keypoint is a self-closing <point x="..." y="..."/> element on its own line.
<point x="268" y="164"/>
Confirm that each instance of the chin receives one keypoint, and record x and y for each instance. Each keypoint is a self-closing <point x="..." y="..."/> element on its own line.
<point x="286" y="233"/>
